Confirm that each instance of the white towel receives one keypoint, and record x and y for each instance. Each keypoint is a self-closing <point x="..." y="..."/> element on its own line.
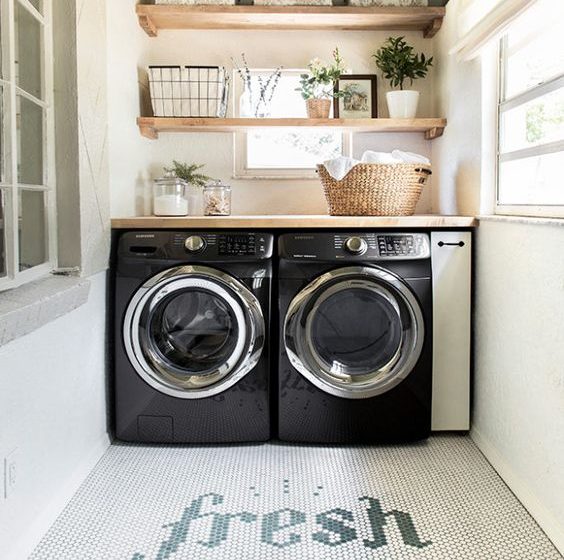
<point x="340" y="166"/>
<point x="379" y="157"/>
<point x="409" y="157"/>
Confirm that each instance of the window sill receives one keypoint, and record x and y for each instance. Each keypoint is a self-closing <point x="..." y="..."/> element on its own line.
<point x="29" y="307"/>
<point x="529" y="220"/>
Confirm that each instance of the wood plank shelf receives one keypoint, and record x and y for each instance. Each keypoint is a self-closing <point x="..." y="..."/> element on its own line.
<point x="154" y="18"/>
<point x="296" y="221"/>
<point x="150" y="127"/>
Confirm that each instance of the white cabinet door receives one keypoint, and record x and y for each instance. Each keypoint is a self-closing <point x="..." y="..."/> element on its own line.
<point x="451" y="254"/>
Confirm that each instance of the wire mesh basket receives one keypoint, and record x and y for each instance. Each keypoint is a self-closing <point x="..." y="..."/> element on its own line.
<point x="189" y="91"/>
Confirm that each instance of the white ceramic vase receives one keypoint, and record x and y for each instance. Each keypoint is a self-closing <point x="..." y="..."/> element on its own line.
<point x="402" y="104"/>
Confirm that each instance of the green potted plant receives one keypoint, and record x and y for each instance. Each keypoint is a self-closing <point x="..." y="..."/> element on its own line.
<point x="399" y="64"/>
<point x="317" y="87"/>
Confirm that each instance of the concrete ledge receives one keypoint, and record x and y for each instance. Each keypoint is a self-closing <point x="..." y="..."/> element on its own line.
<point x="528" y="220"/>
<point x="29" y="307"/>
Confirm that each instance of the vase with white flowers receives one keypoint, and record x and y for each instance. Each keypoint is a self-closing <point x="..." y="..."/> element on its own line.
<point x="317" y="87"/>
<point x="399" y="64"/>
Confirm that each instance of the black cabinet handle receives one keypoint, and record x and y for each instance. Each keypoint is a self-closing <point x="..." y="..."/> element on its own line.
<point x="458" y="244"/>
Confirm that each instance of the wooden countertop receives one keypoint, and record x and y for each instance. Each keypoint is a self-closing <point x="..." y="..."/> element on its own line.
<point x="294" y="222"/>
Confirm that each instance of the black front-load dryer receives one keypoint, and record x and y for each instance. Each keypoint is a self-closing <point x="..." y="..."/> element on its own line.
<point x="191" y="336"/>
<point x="355" y="337"/>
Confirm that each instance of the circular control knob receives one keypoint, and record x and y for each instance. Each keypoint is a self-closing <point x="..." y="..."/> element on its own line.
<point x="356" y="245"/>
<point x="194" y="243"/>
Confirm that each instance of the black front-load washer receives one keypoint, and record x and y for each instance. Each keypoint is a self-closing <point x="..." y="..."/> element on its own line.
<point x="355" y="337"/>
<point x="191" y="336"/>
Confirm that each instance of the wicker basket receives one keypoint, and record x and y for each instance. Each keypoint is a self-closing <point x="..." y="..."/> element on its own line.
<point x="318" y="108"/>
<point x="375" y="189"/>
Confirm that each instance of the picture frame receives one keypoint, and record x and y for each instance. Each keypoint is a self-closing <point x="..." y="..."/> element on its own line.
<point x="364" y="103"/>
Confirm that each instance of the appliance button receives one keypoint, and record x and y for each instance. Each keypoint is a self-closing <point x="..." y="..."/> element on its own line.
<point x="194" y="243"/>
<point x="356" y="245"/>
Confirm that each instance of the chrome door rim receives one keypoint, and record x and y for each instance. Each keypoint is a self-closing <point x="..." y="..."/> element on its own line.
<point x="242" y="303"/>
<point x="370" y="385"/>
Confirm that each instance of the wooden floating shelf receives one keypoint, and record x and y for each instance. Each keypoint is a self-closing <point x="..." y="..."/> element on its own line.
<point x="340" y="18"/>
<point x="150" y="127"/>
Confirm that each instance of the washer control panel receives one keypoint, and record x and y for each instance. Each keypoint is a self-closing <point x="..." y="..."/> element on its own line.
<point x="362" y="246"/>
<point x="198" y="245"/>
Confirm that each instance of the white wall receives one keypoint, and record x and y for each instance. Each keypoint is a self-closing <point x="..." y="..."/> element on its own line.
<point x="456" y="154"/>
<point x="134" y="160"/>
<point x="53" y="411"/>
<point x="518" y="410"/>
<point x="518" y="416"/>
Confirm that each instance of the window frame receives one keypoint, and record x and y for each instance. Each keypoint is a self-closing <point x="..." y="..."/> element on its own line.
<point x="240" y="144"/>
<point x="11" y="187"/>
<point x="506" y="104"/>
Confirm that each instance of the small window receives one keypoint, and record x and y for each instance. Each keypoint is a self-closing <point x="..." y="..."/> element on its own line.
<point x="27" y="213"/>
<point x="285" y="153"/>
<point x="531" y="114"/>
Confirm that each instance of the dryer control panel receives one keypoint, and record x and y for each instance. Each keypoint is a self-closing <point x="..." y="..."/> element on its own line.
<point x="360" y="246"/>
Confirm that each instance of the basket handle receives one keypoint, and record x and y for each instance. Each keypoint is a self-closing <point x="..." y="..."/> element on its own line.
<point x="423" y="170"/>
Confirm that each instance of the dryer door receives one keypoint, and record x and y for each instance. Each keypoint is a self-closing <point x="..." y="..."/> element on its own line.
<point x="193" y="331"/>
<point x="355" y="332"/>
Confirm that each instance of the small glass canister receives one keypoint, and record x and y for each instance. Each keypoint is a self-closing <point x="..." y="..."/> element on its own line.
<point x="170" y="196"/>
<point x="217" y="199"/>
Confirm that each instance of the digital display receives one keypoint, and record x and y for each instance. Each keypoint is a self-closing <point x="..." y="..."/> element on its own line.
<point x="236" y="245"/>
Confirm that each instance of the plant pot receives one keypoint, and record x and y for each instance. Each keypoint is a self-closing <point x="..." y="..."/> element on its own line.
<point x="318" y="108"/>
<point x="402" y="104"/>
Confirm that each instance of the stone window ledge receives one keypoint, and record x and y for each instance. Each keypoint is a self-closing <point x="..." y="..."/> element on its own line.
<point x="529" y="220"/>
<point x="29" y="307"/>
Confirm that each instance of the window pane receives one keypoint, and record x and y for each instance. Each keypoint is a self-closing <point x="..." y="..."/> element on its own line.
<point x="290" y="149"/>
<point x="32" y="229"/>
<point x="293" y="149"/>
<point x="537" y="122"/>
<point x="30" y="142"/>
<point x="28" y="51"/>
<point x="2" y="235"/>
<point x="533" y="180"/>
<point x="37" y="4"/>
<point x="535" y="47"/>
<point x="3" y="133"/>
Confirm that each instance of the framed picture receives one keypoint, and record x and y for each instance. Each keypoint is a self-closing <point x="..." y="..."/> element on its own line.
<point x="360" y="100"/>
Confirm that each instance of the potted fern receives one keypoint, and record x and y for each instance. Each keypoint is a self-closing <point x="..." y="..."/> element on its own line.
<point x="398" y="64"/>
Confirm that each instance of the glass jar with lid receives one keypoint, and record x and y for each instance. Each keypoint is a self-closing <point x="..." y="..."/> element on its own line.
<point x="217" y="199"/>
<point x="170" y="196"/>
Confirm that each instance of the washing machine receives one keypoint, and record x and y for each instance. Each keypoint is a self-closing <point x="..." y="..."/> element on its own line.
<point x="191" y="324"/>
<point x="355" y="363"/>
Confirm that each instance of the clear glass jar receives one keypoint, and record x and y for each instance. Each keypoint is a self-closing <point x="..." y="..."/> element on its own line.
<point x="170" y="196"/>
<point x="217" y="199"/>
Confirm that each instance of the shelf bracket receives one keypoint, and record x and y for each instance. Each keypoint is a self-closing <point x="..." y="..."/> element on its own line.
<point x="432" y="29"/>
<point x="148" y="25"/>
<point x="148" y="132"/>
<point x="434" y="132"/>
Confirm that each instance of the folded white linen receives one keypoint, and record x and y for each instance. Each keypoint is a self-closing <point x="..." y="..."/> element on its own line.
<point x="409" y="157"/>
<point x="340" y="166"/>
<point x="379" y="157"/>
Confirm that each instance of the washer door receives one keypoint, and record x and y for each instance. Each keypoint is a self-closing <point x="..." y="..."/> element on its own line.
<point x="355" y="332"/>
<point x="193" y="331"/>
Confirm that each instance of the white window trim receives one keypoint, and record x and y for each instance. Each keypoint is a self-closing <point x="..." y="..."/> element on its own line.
<point x="240" y="169"/>
<point x="10" y="201"/>
<point x="545" y="210"/>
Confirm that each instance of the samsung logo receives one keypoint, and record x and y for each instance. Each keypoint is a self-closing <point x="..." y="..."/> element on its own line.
<point x="144" y="235"/>
<point x="304" y="237"/>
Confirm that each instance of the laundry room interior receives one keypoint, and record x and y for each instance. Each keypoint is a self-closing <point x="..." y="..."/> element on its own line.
<point x="281" y="279"/>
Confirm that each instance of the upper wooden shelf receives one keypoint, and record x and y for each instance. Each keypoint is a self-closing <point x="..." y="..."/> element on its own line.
<point x="151" y="126"/>
<point x="341" y="18"/>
